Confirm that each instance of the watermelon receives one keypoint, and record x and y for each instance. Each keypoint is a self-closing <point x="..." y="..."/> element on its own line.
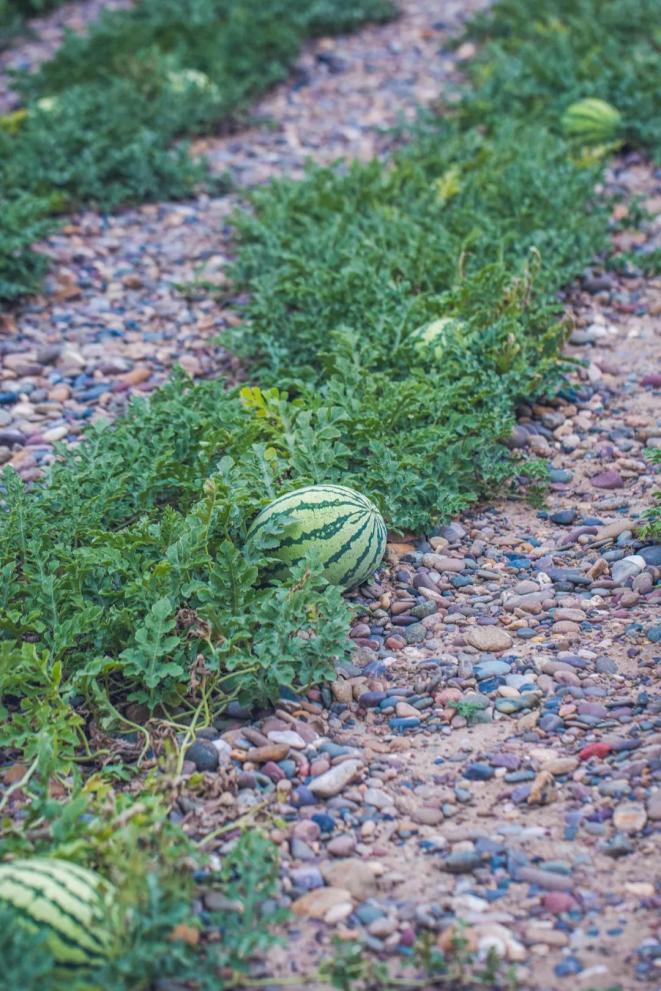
<point x="341" y="526"/>
<point x="71" y="905"/>
<point x="182" y="80"/>
<point x="432" y="337"/>
<point x="592" y="120"/>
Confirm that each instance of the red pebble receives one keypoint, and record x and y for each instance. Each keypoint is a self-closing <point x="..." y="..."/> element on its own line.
<point x="654" y="380"/>
<point x="559" y="901"/>
<point x="595" y="750"/>
<point x="608" y="480"/>
<point x="272" y="771"/>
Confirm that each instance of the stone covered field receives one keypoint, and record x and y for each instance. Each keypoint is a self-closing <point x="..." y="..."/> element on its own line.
<point x="468" y="795"/>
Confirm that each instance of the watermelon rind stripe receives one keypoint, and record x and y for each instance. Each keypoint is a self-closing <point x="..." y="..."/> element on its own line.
<point x="318" y="496"/>
<point x="67" y="952"/>
<point x="274" y="512"/>
<point x="359" y="573"/>
<point x="46" y="910"/>
<point x="78" y="882"/>
<point x="353" y="539"/>
<point x="326" y="491"/>
<point x="57" y="890"/>
<point x="324" y="532"/>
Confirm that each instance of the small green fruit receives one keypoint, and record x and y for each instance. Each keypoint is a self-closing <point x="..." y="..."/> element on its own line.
<point x="592" y="120"/>
<point x="433" y="337"/>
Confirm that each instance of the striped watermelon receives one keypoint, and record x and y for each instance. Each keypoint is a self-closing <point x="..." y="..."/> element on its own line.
<point x="71" y="905"/>
<point x="592" y="120"/>
<point x="341" y="526"/>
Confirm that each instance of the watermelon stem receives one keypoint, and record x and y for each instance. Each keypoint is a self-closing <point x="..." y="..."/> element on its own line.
<point x="21" y="783"/>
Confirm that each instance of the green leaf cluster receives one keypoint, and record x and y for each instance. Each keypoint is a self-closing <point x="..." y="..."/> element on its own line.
<point x="536" y="65"/>
<point x="652" y="518"/>
<point x="128" y="575"/>
<point x="132" y="563"/>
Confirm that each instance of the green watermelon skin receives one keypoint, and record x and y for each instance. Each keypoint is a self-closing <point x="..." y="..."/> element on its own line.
<point x="592" y="120"/>
<point x="340" y="525"/>
<point x="70" y="904"/>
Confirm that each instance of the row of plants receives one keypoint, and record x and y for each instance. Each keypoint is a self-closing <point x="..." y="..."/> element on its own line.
<point x="129" y="577"/>
<point x="104" y="121"/>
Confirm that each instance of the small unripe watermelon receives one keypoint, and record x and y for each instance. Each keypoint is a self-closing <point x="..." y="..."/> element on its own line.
<point x="431" y="337"/>
<point x="341" y="527"/>
<point x="592" y="120"/>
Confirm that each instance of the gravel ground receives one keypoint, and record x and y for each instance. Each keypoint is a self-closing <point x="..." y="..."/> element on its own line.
<point x="493" y="754"/>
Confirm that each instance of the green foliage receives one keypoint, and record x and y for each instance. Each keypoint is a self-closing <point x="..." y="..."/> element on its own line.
<point x="120" y="99"/>
<point x="26" y="960"/>
<point x="24" y="218"/>
<point x="467" y="709"/>
<point x="652" y="525"/>
<point x="343" y="268"/>
<point x="42" y="725"/>
<point x="132" y="563"/>
<point x="127" y="576"/>
<point x="351" y="968"/>
<point x="536" y="66"/>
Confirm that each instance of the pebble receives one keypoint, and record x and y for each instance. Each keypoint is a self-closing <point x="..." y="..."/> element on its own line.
<point x="557" y="902"/>
<point x="478" y="772"/>
<point x="288" y="738"/>
<point x="654" y="805"/>
<point x="318" y="903"/>
<point x="427" y="816"/>
<point x="651" y="555"/>
<point x="356" y="876"/>
<point x="204" y="755"/>
<point x="654" y="634"/>
<point x="488" y="638"/>
<point x="489" y="669"/>
<point x="628" y="567"/>
<point x="629" y="818"/>
<point x="544" y="879"/>
<point x="461" y="861"/>
<point x="341" y="846"/>
<point x="333" y="781"/>
<point x="564" y="517"/>
<point x="377" y="797"/>
<point x="608" y="480"/>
